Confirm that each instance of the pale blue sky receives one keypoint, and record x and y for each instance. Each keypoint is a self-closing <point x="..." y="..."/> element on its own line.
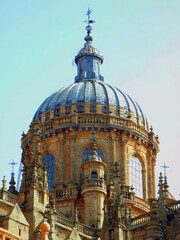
<point x="140" y="42"/>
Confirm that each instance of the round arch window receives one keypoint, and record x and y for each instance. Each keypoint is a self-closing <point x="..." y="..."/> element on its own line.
<point x="135" y="176"/>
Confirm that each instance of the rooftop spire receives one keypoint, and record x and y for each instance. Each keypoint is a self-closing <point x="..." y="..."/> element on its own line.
<point x="12" y="164"/>
<point x="165" y="167"/>
<point x="88" y="59"/>
<point x="88" y="27"/>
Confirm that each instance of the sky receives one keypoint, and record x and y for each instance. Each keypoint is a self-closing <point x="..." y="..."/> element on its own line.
<point x="140" y="43"/>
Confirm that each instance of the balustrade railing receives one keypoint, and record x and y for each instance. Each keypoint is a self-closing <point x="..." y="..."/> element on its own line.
<point x="174" y="205"/>
<point x="6" y="196"/>
<point x="141" y="202"/>
<point x="81" y="228"/>
<point x="140" y="220"/>
<point x="86" y="230"/>
<point x="12" y="199"/>
<point x="94" y="183"/>
<point x="64" y="193"/>
<point x="98" y="120"/>
<point x="7" y="235"/>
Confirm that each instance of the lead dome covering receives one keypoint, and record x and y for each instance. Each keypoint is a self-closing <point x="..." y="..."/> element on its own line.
<point x="92" y="92"/>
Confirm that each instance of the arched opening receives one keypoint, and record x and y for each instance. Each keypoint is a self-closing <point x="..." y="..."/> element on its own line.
<point x="49" y="159"/>
<point x="94" y="175"/>
<point x="135" y="176"/>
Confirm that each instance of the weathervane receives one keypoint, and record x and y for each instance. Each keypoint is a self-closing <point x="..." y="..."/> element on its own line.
<point x="12" y="164"/>
<point x="89" y="21"/>
<point x="165" y="167"/>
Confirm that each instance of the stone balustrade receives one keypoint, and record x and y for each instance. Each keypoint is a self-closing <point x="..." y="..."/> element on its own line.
<point x="142" y="203"/>
<point x="7" y="235"/>
<point x="140" y="221"/>
<point x="64" y="193"/>
<point x="174" y="205"/>
<point x="70" y="223"/>
<point x="93" y="120"/>
<point x="7" y="196"/>
<point x="94" y="183"/>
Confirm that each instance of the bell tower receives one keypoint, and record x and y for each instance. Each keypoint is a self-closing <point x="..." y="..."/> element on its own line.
<point x="94" y="189"/>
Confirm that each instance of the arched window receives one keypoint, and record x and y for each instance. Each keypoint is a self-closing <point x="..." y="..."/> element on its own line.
<point x="135" y="174"/>
<point x="94" y="175"/>
<point x="87" y="153"/>
<point x="50" y="164"/>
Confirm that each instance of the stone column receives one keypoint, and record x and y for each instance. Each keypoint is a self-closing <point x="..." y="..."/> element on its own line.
<point x="144" y="178"/>
<point x="151" y="176"/>
<point x="153" y="193"/>
<point x="124" y="163"/>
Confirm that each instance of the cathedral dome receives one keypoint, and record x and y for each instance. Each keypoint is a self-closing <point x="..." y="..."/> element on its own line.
<point x="92" y="92"/>
<point x="89" y="93"/>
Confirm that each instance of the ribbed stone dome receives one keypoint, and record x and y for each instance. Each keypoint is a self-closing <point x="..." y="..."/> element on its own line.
<point x="92" y="92"/>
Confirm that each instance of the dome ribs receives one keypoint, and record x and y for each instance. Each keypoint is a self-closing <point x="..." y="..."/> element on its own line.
<point x="68" y="97"/>
<point x="93" y="96"/>
<point x="142" y="115"/>
<point x="46" y="106"/>
<point x="126" y="107"/>
<point x="117" y="105"/>
<point x="135" y="108"/>
<point x="74" y="93"/>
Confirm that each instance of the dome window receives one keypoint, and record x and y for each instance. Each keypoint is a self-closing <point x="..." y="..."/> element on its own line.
<point x="135" y="174"/>
<point x="49" y="159"/>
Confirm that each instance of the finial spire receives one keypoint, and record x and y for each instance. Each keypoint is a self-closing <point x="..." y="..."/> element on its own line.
<point x="165" y="167"/>
<point x="89" y="21"/>
<point x="4" y="183"/>
<point x="88" y="27"/>
<point x="12" y="164"/>
<point x="160" y="192"/>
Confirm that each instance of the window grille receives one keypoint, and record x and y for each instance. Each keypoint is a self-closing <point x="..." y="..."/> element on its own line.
<point x="135" y="174"/>
<point x="49" y="159"/>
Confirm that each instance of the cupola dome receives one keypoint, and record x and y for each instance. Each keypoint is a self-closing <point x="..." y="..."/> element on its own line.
<point x="90" y="90"/>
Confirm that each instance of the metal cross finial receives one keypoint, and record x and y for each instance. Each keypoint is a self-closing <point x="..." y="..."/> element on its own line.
<point x="12" y="164"/>
<point x="165" y="167"/>
<point x="89" y="21"/>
